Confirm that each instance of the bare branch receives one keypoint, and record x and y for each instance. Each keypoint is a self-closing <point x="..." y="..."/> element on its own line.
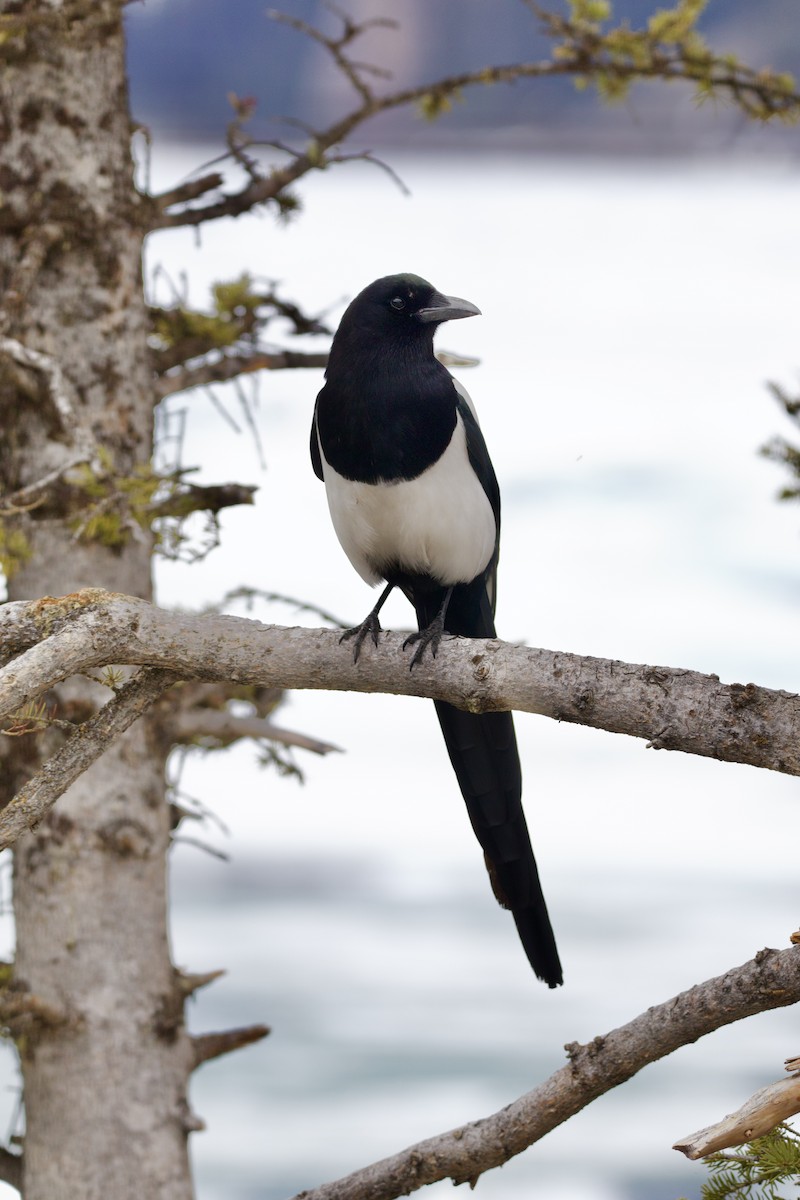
<point x="231" y="366"/>
<point x="190" y="190"/>
<point x="770" y="980"/>
<point x="196" y="497"/>
<point x="223" y="728"/>
<point x="765" y="1109"/>
<point x="206" y="1046"/>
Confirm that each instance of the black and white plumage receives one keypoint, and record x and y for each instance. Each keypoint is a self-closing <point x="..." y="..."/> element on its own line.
<point x="415" y="503"/>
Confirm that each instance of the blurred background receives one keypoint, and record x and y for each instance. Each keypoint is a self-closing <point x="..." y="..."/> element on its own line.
<point x="636" y="267"/>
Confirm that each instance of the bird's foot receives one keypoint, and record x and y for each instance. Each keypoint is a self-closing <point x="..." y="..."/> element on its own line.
<point x="369" y="627"/>
<point x="430" y="636"/>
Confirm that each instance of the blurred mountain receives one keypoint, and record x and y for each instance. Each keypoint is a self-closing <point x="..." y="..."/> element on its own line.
<point x="186" y="56"/>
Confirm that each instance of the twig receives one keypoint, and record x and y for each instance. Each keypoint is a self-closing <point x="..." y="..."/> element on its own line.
<point x="770" y="980"/>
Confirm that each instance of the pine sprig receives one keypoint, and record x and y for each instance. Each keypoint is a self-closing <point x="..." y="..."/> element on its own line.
<point x="768" y="1168"/>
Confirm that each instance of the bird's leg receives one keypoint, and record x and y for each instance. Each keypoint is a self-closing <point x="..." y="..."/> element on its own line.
<point x="369" y="627"/>
<point x="431" y="635"/>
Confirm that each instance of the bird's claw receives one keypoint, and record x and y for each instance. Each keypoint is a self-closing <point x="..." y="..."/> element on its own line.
<point x="430" y="636"/>
<point x="369" y="627"/>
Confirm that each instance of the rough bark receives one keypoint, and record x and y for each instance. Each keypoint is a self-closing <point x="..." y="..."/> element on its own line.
<point x="105" y="1087"/>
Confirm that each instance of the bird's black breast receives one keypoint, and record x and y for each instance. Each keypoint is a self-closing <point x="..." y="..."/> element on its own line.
<point x="383" y="424"/>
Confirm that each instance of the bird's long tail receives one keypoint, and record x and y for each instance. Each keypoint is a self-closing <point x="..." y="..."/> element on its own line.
<point x="483" y="751"/>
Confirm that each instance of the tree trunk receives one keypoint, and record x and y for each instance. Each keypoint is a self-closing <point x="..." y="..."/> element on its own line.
<point x="105" y="1057"/>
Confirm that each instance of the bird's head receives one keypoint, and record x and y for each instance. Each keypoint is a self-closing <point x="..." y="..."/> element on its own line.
<point x="402" y="306"/>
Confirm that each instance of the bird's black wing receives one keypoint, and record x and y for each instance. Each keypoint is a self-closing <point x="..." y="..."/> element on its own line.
<point x="481" y="464"/>
<point x="483" y="750"/>
<point x="316" y="460"/>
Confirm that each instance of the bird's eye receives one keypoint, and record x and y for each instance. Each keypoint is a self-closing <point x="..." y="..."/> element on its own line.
<point x="398" y="303"/>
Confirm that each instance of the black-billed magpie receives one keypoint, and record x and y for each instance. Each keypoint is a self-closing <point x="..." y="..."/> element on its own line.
<point x="415" y="503"/>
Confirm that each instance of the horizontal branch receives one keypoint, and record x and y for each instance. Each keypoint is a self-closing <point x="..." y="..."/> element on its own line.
<point x="224" y="728"/>
<point x="770" y="980"/>
<point x="183" y="192"/>
<point x="51" y="639"/>
<point x="232" y="366"/>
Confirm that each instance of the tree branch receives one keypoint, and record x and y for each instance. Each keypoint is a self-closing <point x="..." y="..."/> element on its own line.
<point x="673" y="709"/>
<point x="231" y="366"/>
<point x="765" y="1109"/>
<point x="223" y="728"/>
<point x="770" y="980"/>
<point x="613" y="58"/>
<point x="206" y="1046"/>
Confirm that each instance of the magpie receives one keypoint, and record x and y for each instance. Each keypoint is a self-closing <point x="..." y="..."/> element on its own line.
<point x="415" y="504"/>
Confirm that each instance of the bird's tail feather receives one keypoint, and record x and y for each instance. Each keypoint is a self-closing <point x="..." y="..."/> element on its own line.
<point x="483" y="750"/>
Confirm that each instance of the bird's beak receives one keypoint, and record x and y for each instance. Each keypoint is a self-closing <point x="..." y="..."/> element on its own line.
<point x="447" y="308"/>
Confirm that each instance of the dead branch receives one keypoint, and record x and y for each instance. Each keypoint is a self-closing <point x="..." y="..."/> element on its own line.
<point x="765" y="1109"/>
<point x="224" y="728"/>
<point x="770" y="980"/>
<point x="206" y="1046"/>
<point x="190" y="190"/>
<point x="191" y="983"/>
<point x="232" y="366"/>
<point x="195" y="497"/>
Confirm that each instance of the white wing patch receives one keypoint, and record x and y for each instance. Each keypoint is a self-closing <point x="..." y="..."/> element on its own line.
<point x="465" y="396"/>
<point x="440" y="524"/>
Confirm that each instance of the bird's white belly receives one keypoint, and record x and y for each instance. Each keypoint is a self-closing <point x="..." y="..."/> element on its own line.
<point x="440" y="524"/>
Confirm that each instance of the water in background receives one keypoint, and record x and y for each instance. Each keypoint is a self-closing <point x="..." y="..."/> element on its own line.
<point x="632" y="314"/>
